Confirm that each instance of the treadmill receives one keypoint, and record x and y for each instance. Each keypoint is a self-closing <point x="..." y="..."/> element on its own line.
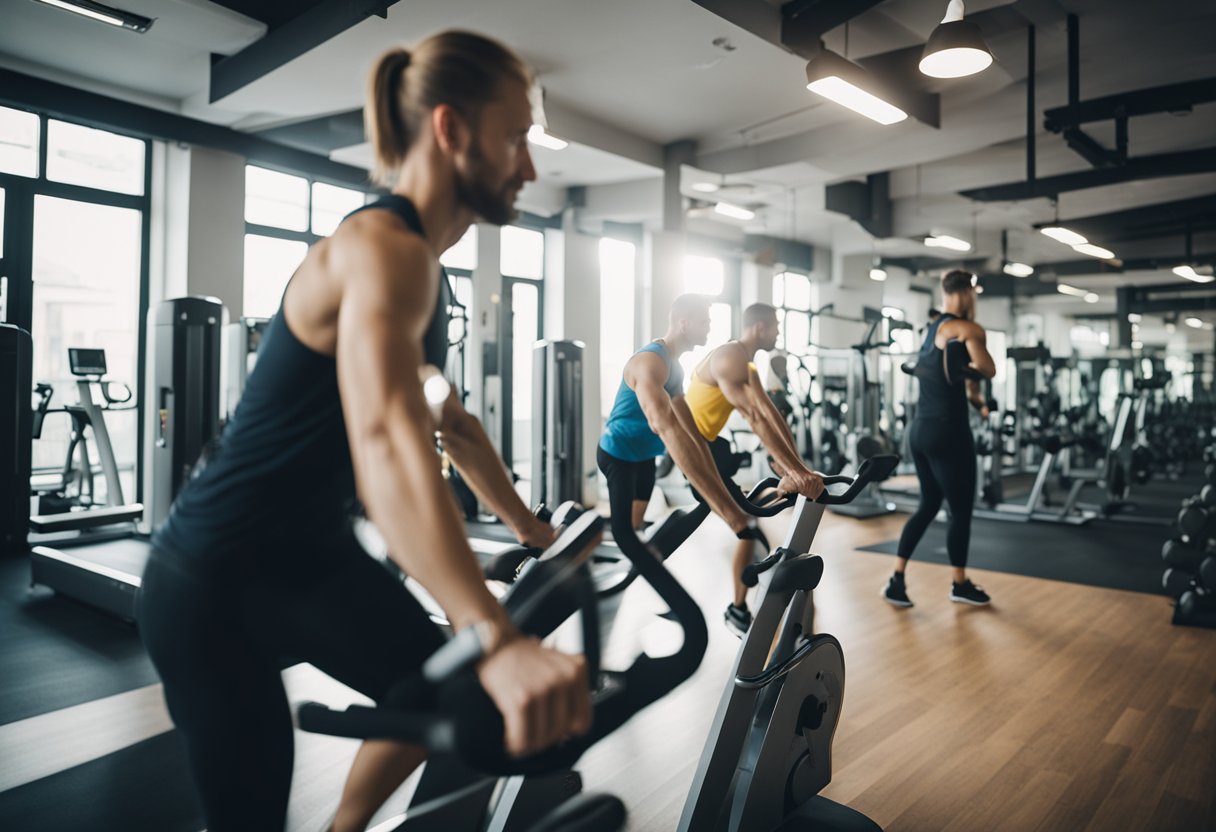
<point x="74" y="561"/>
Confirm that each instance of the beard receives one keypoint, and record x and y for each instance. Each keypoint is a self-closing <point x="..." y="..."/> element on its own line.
<point x="495" y="205"/>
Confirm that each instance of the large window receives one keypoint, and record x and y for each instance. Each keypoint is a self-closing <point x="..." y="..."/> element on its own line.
<point x="618" y="266"/>
<point x="523" y="253"/>
<point x="707" y="276"/>
<point x="19" y="142"/>
<point x="284" y="215"/>
<point x="72" y="271"/>
<point x="460" y="261"/>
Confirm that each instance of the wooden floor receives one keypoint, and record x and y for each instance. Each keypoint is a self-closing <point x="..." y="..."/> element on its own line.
<point x="1060" y="707"/>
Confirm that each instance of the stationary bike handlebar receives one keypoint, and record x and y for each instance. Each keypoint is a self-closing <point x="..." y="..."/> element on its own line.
<point x="873" y="469"/>
<point x="444" y="708"/>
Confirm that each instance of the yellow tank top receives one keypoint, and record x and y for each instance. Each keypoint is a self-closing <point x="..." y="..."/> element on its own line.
<point x="709" y="406"/>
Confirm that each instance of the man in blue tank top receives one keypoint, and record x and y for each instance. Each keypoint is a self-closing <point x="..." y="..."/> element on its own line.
<point x="650" y="417"/>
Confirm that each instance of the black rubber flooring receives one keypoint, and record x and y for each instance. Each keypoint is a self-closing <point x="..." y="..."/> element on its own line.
<point x="1104" y="554"/>
<point x="56" y="653"/>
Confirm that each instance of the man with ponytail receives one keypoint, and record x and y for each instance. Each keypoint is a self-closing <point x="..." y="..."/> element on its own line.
<point x="335" y="409"/>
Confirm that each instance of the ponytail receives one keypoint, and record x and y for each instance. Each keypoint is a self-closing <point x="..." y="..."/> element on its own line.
<point x="460" y="69"/>
<point x="382" y="116"/>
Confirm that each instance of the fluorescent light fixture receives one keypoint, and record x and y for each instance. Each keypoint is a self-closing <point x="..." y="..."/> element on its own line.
<point x="1063" y="235"/>
<point x="1065" y="289"/>
<point x="1091" y="297"/>
<point x="103" y="14"/>
<point x="946" y="241"/>
<point x="1190" y="274"/>
<point x="878" y="274"/>
<point x="734" y="211"/>
<point x="1018" y="270"/>
<point x="1194" y="323"/>
<point x="1134" y="317"/>
<point x="1137" y="345"/>
<point x="849" y="85"/>
<point x="538" y="136"/>
<point x="835" y="88"/>
<point x="956" y="47"/>
<point x="705" y="187"/>
<point x="1094" y="251"/>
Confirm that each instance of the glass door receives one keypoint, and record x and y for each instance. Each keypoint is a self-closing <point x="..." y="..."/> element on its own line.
<point x="86" y="287"/>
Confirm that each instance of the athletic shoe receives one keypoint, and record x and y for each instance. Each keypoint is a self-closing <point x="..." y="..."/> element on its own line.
<point x="896" y="592"/>
<point x="738" y="619"/>
<point x="968" y="593"/>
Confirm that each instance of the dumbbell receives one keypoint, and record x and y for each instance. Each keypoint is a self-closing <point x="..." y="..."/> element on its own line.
<point x="1195" y="520"/>
<point x="1176" y="581"/>
<point x="1182" y="554"/>
<point x="1196" y="608"/>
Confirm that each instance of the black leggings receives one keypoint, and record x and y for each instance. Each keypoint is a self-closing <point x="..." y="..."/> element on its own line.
<point x="627" y="482"/>
<point x="219" y="646"/>
<point x="944" y="453"/>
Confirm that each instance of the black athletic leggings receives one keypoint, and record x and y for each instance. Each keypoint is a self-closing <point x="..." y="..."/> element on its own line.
<point x="218" y="642"/>
<point x="944" y="453"/>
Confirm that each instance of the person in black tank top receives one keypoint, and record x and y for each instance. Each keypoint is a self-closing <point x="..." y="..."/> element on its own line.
<point x="258" y="561"/>
<point x="943" y="449"/>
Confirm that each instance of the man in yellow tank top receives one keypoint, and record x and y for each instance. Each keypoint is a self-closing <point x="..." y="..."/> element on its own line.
<point x="726" y="381"/>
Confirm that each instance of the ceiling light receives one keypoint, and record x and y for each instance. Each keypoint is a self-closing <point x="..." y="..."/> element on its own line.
<point x="979" y="290"/>
<point x="956" y="48"/>
<point x="734" y="211"/>
<point x="538" y="136"/>
<point x="1094" y="251"/>
<point x="1065" y="289"/>
<point x="843" y="81"/>
<point x="104" y="14"/>
<point x="946" y="241"/>
<point x="1137" y="345"/>
<point x="1134" y="317"/>
<point x="1194" y="323"/>
<point x="1091" y="297"/>
<point x="878" y="274"/>
<point x="705" y="187"/>
<point x="1190" y="274"/>
<point x="1018" y="269"/>
<point x="1063" y="235"/>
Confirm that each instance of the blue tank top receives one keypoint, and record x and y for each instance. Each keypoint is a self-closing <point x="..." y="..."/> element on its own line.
<point x="939" y="400"/>
<point x="627" y="435"/>
<point x="280" y="481"/>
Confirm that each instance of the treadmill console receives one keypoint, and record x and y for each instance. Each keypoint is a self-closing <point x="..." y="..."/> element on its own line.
<point x="84" y="362"/>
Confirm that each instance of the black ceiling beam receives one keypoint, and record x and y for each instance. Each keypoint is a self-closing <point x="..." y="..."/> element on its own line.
<point x="1090" y="150"/>
<point x="1167" y="98"/>
<point x="869" y="203"/>
<point x="812" y="19"/>
<point x="107" y="113"/>
<point x="1138" y="264"/>
<point x="1173" y="297"/>
<point x="1146" y="222"/>
<point x="1146" y="167"/>
<point x="291" y="40"/>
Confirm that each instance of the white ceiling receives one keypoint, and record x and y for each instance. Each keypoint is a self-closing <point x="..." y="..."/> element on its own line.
<point x="624" y="78"/>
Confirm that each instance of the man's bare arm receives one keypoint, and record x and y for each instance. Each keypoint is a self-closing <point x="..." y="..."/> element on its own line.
<point x="474" y="456"/>
<point x="390" y="427"/>
<point x="645" y="374"/>
<point x="729" y="368"/>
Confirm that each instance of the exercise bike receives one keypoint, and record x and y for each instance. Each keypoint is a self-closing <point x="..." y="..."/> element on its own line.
<point x="469" y="782"/>
<point x="769" y="750"/>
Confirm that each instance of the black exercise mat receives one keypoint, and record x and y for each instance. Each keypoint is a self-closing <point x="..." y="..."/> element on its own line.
<point x="1098" y="554"/>
<point x="56" y="653"/>
<point x="145" y="786"/>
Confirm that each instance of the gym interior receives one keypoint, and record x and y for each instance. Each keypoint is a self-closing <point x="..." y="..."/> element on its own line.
<point x="166" y="166"/>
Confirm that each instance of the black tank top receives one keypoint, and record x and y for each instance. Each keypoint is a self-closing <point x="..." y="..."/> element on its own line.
<point x="280" y="479"/>
<point x="939" y="400"/>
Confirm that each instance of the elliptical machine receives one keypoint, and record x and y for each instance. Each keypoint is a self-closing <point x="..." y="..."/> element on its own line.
<point x="769" y="750"/>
